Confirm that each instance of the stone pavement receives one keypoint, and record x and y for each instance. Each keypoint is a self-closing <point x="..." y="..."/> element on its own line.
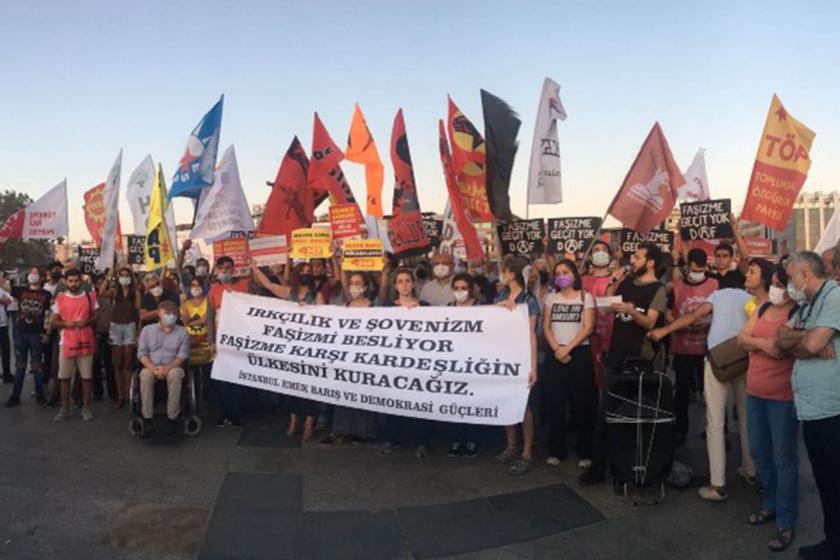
<point x="90" y="491"/>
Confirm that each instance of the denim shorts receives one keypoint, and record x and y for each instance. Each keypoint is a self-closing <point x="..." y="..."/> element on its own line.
<point x="122" y="334"/>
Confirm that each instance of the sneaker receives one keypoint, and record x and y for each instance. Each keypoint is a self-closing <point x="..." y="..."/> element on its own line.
<point x="87" y="414"/>
<point x="521" y="466"/>
<point x="148" y="427"/>
<point x="387" y="448"/>
<point x="422" y="451"/>
<point x="712" y="493"/>
<point x="13" y="401"/>
<point x="508" y="455"/>
<point x="221" y="422"/>
<point x="471" y="450"/>
<point x="77" y="404"/>
<point x="592" y="477"/>
<point x="63" y="414"/>
<point x="552" y="462"/>
<point x="584" y="463"/>
<point x="455" y="449"/>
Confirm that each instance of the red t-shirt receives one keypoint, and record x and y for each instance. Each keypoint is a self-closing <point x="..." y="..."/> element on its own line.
<point x="597" y="286"/>
<point x="769" y="378"/>
<point x="687" y="298"/>
<point x="217" y="289"/>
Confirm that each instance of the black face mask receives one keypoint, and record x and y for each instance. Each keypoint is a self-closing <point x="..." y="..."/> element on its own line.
<point x="55" y="276"/>
<point x="543" y="277"/>
<point x="306" y="280"/>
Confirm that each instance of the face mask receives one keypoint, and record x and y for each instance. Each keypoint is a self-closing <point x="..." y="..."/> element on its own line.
<point x="33" y="278"/>
<point x="796" y="294"/>
<point x="306" y="280"/>
<point x="356" y="291"/>
<point x="696" y="277"/>
<point x="420" y="274"/>
<point x="600" y="258"/>
<point x="461" y="295"/>
<point x="169" y="319"/>
<point x="459" y="269"/>
<point x="479" y="271"/>
<point x="563" y="281"/>
<point x="196" y="292"/>
<point x="201" y="271"/>
<point x="543" y="277"/>
<point x="776" y="295"/>
<point x="441" y="271"/>
<point x="55" y="276"/>
<point x="225" y="277"/>
<point x="157" y="291"/>
<point x="124" y="280"/>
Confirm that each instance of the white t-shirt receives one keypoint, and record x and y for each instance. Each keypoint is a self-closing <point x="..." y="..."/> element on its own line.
<point x="566" y="315"/>
<point x="728" y="315"/>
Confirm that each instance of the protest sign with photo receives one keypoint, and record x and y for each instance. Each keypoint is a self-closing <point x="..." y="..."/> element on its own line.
<point x="87" y="259"/>
<point x="136" y="249"/>
<point x="363" y="255"/>
<point x="708" y="219"/>
<point x="630" y="240"/>
<point x="345" y="220"/>
<point x="470" y="366"/>
<point x="311" y="243"/>
<point x="571" y="234"/>
<point x="267" y="250"/>
<point x="237" y="249"/>
<point x="522" y="237"/>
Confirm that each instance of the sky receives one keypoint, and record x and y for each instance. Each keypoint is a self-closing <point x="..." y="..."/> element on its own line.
<point x="81" y="80"/>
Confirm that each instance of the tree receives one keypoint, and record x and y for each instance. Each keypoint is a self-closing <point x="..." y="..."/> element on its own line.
<point x="15" y="253"/>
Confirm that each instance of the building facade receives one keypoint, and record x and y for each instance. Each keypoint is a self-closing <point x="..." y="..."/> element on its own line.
<point x="811" y="214"/>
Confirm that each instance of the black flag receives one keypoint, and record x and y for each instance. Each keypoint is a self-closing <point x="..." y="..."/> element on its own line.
<point x="501" y="125"/>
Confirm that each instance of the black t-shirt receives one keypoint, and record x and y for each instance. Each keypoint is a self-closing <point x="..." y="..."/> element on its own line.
<point x="732" y="279"/>
<point x="628" y="338"/>
<point x="33" y="306"/>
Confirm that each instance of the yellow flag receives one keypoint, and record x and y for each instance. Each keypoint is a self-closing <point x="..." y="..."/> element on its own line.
<point x="158" y="245"/>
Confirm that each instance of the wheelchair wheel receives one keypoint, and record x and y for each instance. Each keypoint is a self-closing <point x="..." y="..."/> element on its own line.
<point x="192" y="425"/>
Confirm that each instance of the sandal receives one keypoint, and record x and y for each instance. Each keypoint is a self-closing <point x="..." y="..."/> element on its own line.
<point x="521" y="466"/>
<point x="780" y="541"/>
<point x="508" y="455"/>
<point x="761" y="517"/>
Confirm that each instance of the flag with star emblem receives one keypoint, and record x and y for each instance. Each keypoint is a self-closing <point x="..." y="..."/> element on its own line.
<point x="469" y="164"/>
<point x="780" y="169"/>
<point x="290" y="205"/>
<point x="195" y="170"/>
<point x="362" y="149"/>
<point x="406" y="232"/>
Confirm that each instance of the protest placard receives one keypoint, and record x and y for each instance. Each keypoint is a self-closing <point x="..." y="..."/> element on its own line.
<point x="469" y="365"/>
<point x="708" y="219"/>
<point x="571" y="235"/>
<point x="311" y="243"/>
<point x="364" y="255"/>
<point x="267" y="250"/>
<point x="522" y="237"/>
<point x="136" y="249"/>
<point x="87" y="259"/>
<point x="345" y="220"/>
<point x="237" y="249"/>
<point x="630" y="240"/>
<point x="434" y="230"/>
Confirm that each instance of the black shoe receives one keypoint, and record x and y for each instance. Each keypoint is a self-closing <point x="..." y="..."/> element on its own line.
<point x="454" y="449"/>
<point x="13" y="401"/>
<point x="40" y="400"/>
<point x="171" y="427"/>
<point x="471" y="450"/>
<point x="221" y="422"/>
<point x="819" y="551"/>
<point x="148" y="427"/>
<point x="592" y="477"/>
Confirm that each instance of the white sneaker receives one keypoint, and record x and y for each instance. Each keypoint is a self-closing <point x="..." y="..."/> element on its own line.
<point x="552" y="461"/>
<point x="713" y="494"/>
<point x="585" y="463"/>
<point x="87" y="414"/>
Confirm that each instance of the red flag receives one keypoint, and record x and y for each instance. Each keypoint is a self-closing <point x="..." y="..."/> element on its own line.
<point x="469" y="164"/>
<point x="325" y="174"/>
<point x="13" y="226"/>
<point x="95" y="214"/>
<point x="465" y="227"/>
<point x="649" y="190"/>
<point x="405" y="231"/>
<point x="290" y="205"/>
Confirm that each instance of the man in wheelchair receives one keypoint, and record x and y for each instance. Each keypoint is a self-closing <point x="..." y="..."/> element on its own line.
<point x="162" y="350"/>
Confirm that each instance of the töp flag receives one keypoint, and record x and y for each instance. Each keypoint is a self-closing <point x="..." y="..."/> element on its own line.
<point x="158" y="243"/>
<point x="290" y="205"/>
<point x="459" y="212"/>
<point x="649" y="191"/>
<point x="406" y="230"/>
<point x="138" y="191"/>
<point x="696" y="187"/>
<point x="544" y="185"/>
<point x="195" y="171"/>
<point x="111" y="233"/>
<point x="469" y="158"/>
<point x="501" y="125"/>
<point x="46" y="218"/>
<point x="781" y="167"/>
<point x="223" y="207"/>
<point x="362" y="149"/>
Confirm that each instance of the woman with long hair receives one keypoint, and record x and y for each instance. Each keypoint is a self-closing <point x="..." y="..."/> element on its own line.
<point x="122" y="334"/>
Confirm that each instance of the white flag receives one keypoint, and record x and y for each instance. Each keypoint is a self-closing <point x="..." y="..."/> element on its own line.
<point x="138" y="190"/>
<point x="450" y="234"/>
<point x="377" y="229"/>
<point x="830" y="236"/>
<point x="223" y="207"/>
<point x="112" y="217"/>
<point x="544" y="186"/>
<point x="696" y="187"/>
<point x="46" y="218"/>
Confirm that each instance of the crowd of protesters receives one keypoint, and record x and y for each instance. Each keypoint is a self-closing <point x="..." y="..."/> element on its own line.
<point x="84" y="336"/>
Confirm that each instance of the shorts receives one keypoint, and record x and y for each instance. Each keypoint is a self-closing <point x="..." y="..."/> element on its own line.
<point x="67" y="366"/>
<point x="122" y="334"/>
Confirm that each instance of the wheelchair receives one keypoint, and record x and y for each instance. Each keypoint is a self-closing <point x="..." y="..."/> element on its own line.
<point x="189" y="405"/>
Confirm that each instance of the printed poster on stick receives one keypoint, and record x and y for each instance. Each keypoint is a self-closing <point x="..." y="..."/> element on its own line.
<point x="363" y="255"/>
<point x="237" y="249"/>
<point x="267" y="250"/>
<point x="571" y="235"/>
<point x="345" y="220"/>
<point x="136" y="249"/>
<point x="521" y="237"/>
<point x="87" y="259"/>
<point x="708" y="219"/>
<point x="311" y="243"/>
<point x="630" y="240"/>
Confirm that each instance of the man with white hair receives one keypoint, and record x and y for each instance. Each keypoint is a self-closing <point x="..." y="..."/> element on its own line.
<point x="811" y="336"/>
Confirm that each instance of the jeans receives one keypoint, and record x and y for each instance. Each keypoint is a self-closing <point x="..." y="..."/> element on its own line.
<point x="822" y="440"/>
<point x="773" y="434"/>
<point x="28" y="347"/>
<point x="687" y="368"/>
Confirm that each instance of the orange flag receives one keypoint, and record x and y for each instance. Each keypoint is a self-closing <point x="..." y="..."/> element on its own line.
<point x="649" y="191"/>
<point x="362" y="149"/>
<point x="469" y="157"/>
<point x="781" y="167"/>
<point x="94" y="208"/>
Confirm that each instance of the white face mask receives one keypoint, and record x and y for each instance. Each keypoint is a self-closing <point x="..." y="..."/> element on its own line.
<point x="441" y="270"/>
<point x="201" y="271"/>
<point x="157" y="291"/>
<point x="696" y="277"/>
<point x="776" y="295"/>
<point x="461" y="295"/>
<point x="33" y="278"/>
<point x="124" y="280"/>
<point x="196" y="292"/>
<point x="356" y="291"/>
<point x="600" y="258"/>
<point x="169" y="319"/>
<point x="797" y="295"/>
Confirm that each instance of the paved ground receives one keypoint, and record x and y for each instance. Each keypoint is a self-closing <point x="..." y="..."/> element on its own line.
<point x="90" y="490"/>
